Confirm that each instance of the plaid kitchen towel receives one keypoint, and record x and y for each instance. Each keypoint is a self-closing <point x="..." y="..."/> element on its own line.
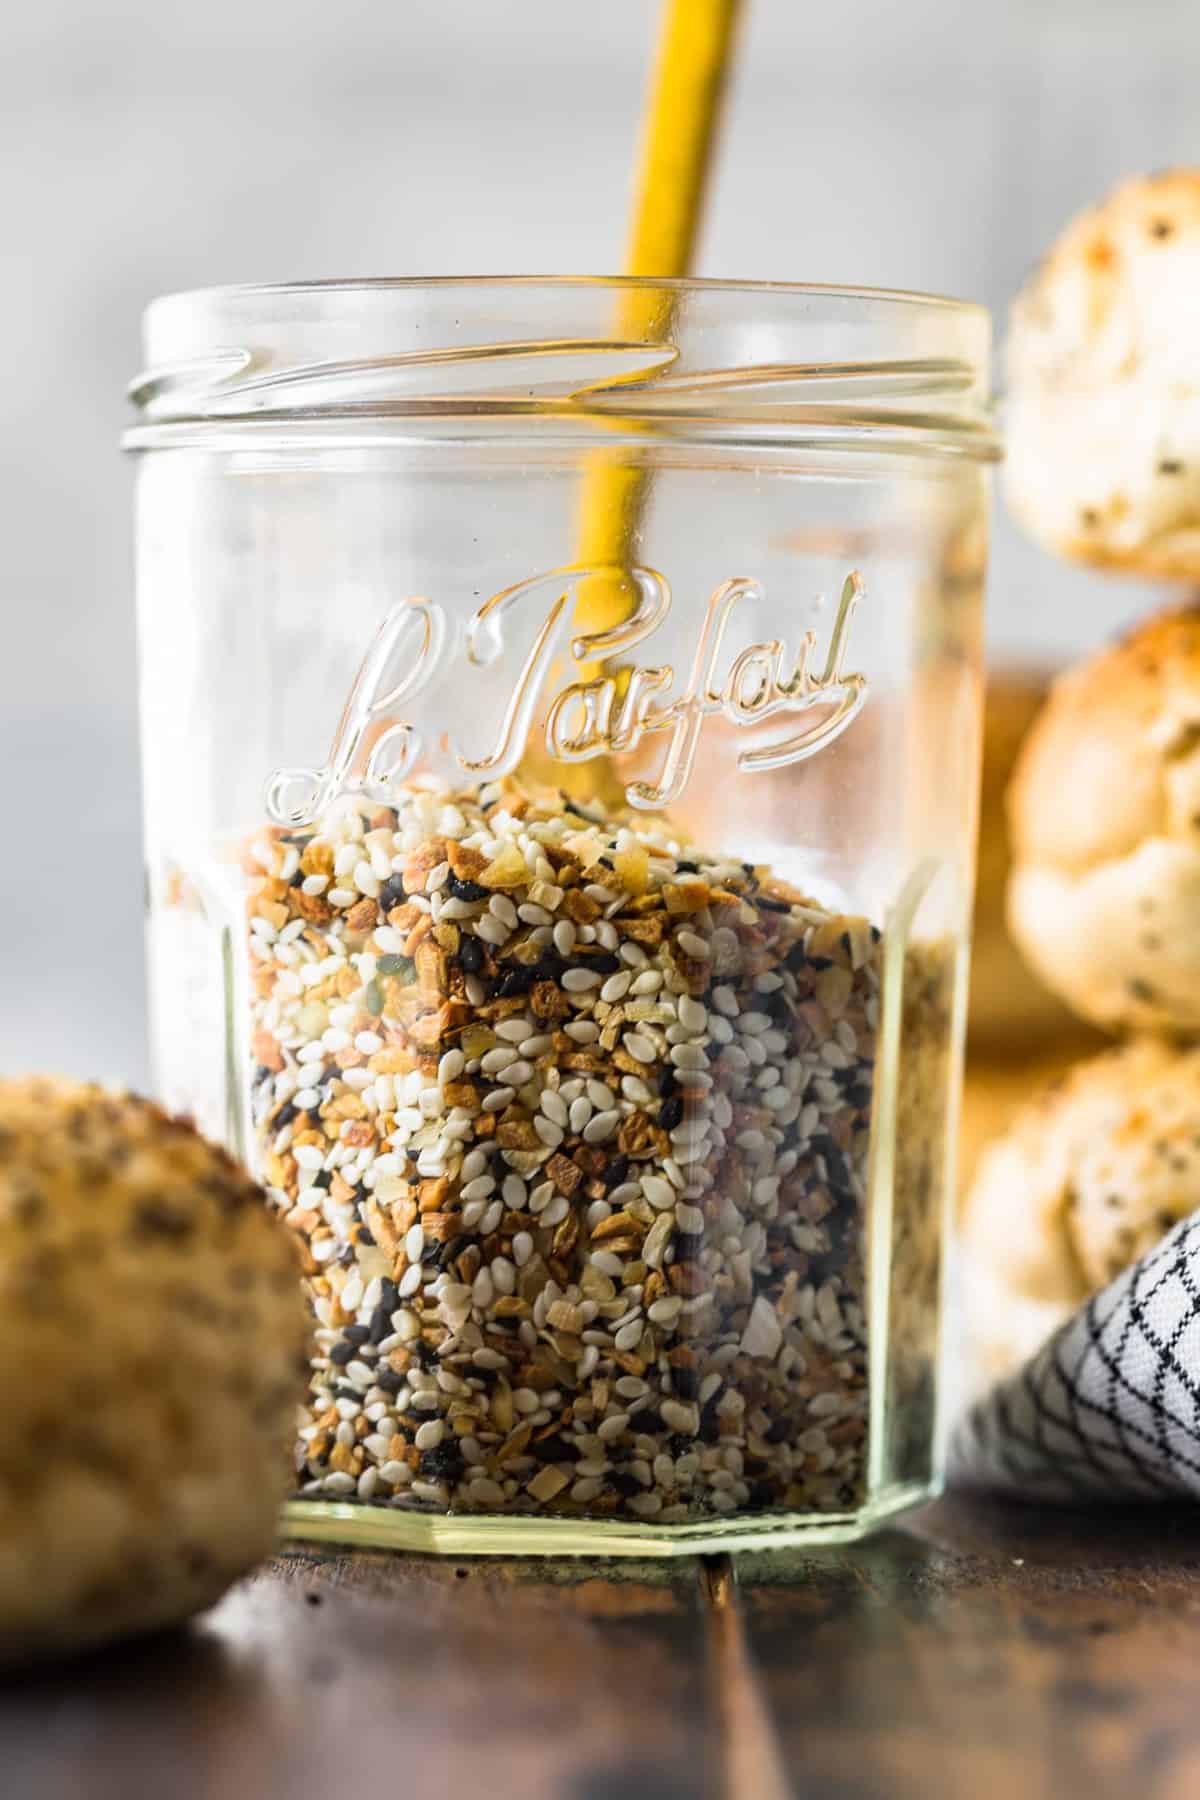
<point x="1110" y="1406"/>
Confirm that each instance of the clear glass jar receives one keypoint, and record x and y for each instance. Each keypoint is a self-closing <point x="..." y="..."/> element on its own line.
<point x="561" y="712"/>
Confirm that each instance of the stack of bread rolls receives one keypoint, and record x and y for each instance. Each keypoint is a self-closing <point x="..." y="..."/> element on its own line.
<point x="1103" y="892"/>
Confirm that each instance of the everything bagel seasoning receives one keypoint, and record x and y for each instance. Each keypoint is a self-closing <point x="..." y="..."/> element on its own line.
<point x="572" y="1123"/>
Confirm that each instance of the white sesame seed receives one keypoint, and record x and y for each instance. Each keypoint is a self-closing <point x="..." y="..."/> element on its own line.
<point x="553" y="1106"/>
<point x="692" y="1014"/>
<point x="578" y="981"/>
<point x="514" y="1192"/>
<point x="584" y="1031"/>
<point x="522" y="1248"/>
<point x="564" y="937"/>
<point x="633" y="1088"/>
<point x="639" y="1047"/>
<point x="550" y="1133"/>
<point x="658" y="1192"/>
<point x="474" y="1163"/>
<point x="599" y="1129"/>
<point x="512" y="1030"/>
<point x="580" y="1113"/>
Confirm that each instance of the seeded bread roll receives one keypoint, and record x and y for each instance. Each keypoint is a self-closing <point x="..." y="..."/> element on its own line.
<point x="1010" y="1007"/>
<point x="1105" y="813"/>
<point x="1088" y="1177"/>
<point x="1104" y="416"/>
<point x="155" y="1338"/>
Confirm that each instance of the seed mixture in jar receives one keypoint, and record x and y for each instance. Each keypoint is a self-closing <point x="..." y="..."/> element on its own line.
<point x="572" y="1122"/>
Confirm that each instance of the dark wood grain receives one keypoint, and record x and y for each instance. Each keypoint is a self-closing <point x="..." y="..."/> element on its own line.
<point x="979" y="1651"/>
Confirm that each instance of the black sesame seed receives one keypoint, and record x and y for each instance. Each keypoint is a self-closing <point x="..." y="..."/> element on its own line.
<point x="381" y="1324"/>
<point x="667" y="1082"/>
<point x="616" y="1172"/>
<point x="625" y="1485"/>
<point x="296" y="878"/>
<point x="470" y="955"/>
<point x="342" y="1353"/>
<point x="670" y="1113"/>
<point x="444" y="1461"/>
<point x="686" y="1383"/>
<point x="515" y="980"/>
<point x="459" y="889"/>
<point x="391" y="894"/>
<point x="285" y="1115"/>
<point x="389" y="1381"/>
<point x="554" y="1450"/>
<point x="603" y="964"/>
<point x="710" y="1425"/>
<point x="356" y="1334"/>
<point x="549" y="965"/>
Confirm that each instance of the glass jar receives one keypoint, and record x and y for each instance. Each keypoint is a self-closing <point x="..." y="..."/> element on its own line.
<point x="561" y="711"/>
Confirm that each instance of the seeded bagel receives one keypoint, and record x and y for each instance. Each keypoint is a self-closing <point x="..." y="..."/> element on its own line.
<point x="1104" y="898"/>
<point x="1103" y="433"/>
<point x="155" y="1338"/>
<point x="1087" y="1178"/>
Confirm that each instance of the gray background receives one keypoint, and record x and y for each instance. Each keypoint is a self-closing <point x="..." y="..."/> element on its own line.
<point x="148" y="147"/>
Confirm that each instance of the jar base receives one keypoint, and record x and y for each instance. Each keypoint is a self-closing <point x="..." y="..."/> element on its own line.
<point x="365" y="1527"/>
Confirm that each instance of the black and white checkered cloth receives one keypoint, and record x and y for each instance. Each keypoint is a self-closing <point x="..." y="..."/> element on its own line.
<point x="1110" y="1406"/>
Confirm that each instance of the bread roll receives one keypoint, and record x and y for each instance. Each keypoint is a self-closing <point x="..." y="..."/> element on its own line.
<point x="1104" y="899"/>
<point x="1103" y="428"/>
<point x="1010" y="1008"/>
<point x="154" y="1334"/>
<point x="1087" y="1178"/>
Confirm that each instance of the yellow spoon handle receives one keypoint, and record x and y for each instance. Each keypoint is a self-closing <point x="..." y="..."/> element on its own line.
<point x="678" y="141"/>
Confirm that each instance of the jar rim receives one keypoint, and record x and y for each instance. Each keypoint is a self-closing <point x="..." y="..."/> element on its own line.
<point x="674" y="356"/>
<point x="681" y="284"/>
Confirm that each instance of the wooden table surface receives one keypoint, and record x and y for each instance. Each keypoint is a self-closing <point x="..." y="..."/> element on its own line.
<point x="978" y="1650"/>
